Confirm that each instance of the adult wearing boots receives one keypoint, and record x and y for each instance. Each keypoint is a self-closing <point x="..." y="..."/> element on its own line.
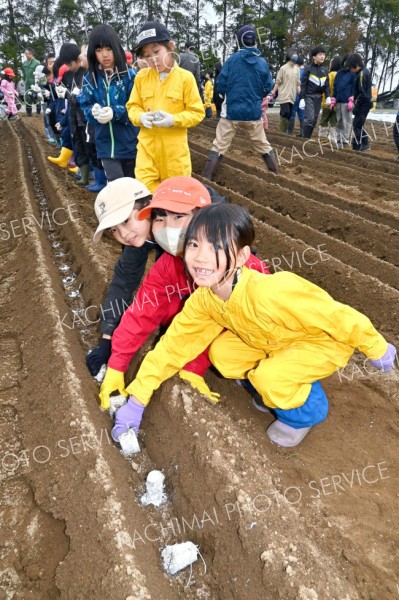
<point x="314" y="83"/>
<point x="243" y="81"/>
<point x="288" y="84"/>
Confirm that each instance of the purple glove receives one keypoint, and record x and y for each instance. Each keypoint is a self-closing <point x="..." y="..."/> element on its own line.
<point x="351" y="103"/>
<point x="127" y="417"/>
<point x="385" y="363"/>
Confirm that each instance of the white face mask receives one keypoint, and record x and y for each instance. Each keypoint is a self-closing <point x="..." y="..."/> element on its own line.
<point x="171" y="239"/>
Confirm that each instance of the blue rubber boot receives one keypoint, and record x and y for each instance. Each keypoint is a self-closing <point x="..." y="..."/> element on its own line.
<point x="99" y="183"/>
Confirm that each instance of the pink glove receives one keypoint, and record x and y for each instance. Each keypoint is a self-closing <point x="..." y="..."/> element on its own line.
<point x="127" y="417"/>
<point x="333" y="103"/>
<point x="385" y="363"/>
<point x="270" y="97"/>
<point x="351" y="103"/>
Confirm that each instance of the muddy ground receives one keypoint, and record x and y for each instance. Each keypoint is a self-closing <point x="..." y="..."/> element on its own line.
<point x="315" y="522"/>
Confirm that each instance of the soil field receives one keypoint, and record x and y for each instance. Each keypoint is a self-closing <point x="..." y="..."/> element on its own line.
<point x="318" y="522"/>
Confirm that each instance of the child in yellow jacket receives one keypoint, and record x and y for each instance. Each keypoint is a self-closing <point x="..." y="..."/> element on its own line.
<point x="280" y="331"/>
<point x="208" y="95"/>
<point x="164" y="103"/>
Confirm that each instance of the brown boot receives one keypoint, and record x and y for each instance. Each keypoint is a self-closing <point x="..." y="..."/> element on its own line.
<point x="212" y="165"/>
<point x="271" y="161"/>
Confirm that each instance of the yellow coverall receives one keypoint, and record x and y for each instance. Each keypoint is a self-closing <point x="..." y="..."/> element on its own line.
<point x="283" y="333"/>
<point x="208" y="94"/>
<point x="163" y="152"/>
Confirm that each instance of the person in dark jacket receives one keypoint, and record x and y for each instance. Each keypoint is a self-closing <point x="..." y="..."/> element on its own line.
<point x="106" y="90"/>
<point x="244" y="81"/>
<point x="343" y="99"/>
<point x="396" y="133"/>
<point x="314" y="83"/>
<point x="363" y="102"/>
<point x="190" y="62"/>
<point x="217" y="100"/>
<point x="70" y="55"/>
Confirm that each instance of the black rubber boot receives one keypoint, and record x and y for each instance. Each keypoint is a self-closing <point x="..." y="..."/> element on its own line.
<point x="307" y="132"/>
<point x="356" y="147"/>
<point x="290" y="127"/>
<point x="271" y="161"/>
<point x="84" y="171"/>
<point x="212" y="165"/>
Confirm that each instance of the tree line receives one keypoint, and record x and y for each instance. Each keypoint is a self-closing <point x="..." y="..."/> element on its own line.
<point x="370" y="27"/>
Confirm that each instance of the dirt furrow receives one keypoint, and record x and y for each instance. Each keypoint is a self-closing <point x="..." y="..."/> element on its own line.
<point x="385" y="214"/>
<point x="342" y="251"/>
<point x="379" y="240"/>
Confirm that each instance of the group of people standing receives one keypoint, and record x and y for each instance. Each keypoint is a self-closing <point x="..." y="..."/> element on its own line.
<point x="343" y="92"/>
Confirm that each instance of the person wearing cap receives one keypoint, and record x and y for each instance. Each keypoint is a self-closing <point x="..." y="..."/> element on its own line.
<point x="288" y="84"/>
<point x="7" y="86"/>
<point x="164" y="103"/>
<point x="105" y="91"/>
<point x="190" y="61"/>
<point x="243" y="81"/>
<point x="116" y="208"/>
<point x="314" y="84"/>
<point x="165" y="288"/>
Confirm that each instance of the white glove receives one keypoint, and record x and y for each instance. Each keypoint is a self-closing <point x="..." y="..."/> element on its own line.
<point x="328" y="101"/>
<point x="105" y="115"/>
<point x="46" y="93"/>
<point x="146" y="119"/>
<point x="58" y="126"/>
<point x="35" y="88"/>
<point x="48" y="111"/>
<point x="166" y="120"/>
<point x="61" y="91"/>
<point x="76" y="91"/>
<point x="63" y="111"/>
<point x="302" y="103"/>
<point x="96" y="110"/>
<point x="40" y="97"/>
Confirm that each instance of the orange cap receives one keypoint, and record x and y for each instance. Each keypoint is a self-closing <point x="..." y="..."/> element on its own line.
<point x="179" y="195"/>
<point x="8" y="71"/>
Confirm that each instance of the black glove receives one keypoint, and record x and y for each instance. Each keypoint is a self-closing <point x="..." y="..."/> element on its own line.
<point x="98" y="356"/>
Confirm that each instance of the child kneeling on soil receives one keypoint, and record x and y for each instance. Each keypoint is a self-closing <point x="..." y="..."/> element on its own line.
<point x="117" y="208"/>
<point x="283" y="332"/>
<point x="165" y="288"/>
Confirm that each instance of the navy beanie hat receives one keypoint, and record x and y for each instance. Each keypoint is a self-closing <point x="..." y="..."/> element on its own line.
<point x="246" y="36"/>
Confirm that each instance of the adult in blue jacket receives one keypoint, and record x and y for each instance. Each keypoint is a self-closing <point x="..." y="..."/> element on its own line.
<point x="106" y="89"/>
<point x="244" y="81"/>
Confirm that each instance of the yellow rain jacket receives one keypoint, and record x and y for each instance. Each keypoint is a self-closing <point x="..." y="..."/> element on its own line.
<point x="331" y="77"/>
<point x="163" y="152"/>
<point x="283" y="333"/>
<point x="208" y="94"/>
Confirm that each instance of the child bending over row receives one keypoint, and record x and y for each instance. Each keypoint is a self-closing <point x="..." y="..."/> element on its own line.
<point x="283" y="333"/>
<point x="166" y="286"/>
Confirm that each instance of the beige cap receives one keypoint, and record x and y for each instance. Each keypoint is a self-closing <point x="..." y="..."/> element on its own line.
<point x="116" y="201"/>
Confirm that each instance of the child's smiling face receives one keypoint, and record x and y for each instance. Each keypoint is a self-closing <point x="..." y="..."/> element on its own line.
<point x="132" y="232"/>
<point x="320" y="58"/>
